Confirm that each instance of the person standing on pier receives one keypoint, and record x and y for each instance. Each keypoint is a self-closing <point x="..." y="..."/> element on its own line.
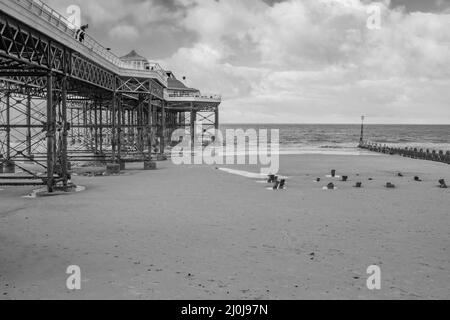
<point x="81" y="33"/>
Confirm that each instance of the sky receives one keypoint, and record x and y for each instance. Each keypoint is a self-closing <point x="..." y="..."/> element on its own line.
<point x="292" y="61"/>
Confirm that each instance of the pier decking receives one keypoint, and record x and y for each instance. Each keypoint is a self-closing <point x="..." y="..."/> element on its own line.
<point x="62" y="100"/>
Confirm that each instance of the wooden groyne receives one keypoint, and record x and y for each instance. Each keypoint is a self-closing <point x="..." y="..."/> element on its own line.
<point x="414" y="153"/>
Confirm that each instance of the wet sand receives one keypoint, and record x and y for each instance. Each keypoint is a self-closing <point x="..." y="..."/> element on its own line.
<point x="201" y="233"/>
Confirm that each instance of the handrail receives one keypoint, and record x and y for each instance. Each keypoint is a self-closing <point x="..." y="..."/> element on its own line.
<point x="188" y="94"/>
<point x="51" y="16"/>
<point x="45" y="12"/>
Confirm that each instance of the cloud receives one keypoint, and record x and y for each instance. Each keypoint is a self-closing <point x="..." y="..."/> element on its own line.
<point x="154" y="21"/>
<point x="293" y="60"/>
<point x="124" y="32"/>
<point x="302" y="61"/>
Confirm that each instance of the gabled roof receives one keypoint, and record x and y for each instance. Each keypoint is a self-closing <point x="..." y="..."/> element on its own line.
<point x="133" y="56"/>
<point x="173" y="83"/>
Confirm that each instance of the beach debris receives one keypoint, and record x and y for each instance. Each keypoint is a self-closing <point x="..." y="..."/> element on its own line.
<point x="272" y="178"/>
<point x="442" y="184"/>
<point x="370" y="179"/>
<point x="358" y="185"/>
<point x="330" y="186"/>
<point x="417" y="179"/>
<point x="276" y="185"/>
<point x="389" y="185"/>
<point x="344" y="178"/>
<point x="333" y="174"/>
<point x="318" y="180"/>
<point x="400" y="175"/>
<point x="280" y="185"/>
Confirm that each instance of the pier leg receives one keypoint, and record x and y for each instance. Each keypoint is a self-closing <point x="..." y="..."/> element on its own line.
<point x="216" y="120"/>
<point x="72" y="130"/>
<point x="101" y="126"/>
<point x="163" y="128"/>
<point x="120" y="122"/>
<point x="193" y="120"/>
<point x="8" y="126"/>
<point x="128" y="126"/>
<point x="9" y="165"/>
<point x="95" y="128"/>
<point x="78" y="133"/>
<point x="114" y="128"/>
<point x="149" y="127"/>
<point x="154" y="126"/>
<point x="50" y="134"/>
<point x="91" y="129"/>
<point x="28" y="115"/>
<point x="140" y="124"/>
<point x="133" y="124"/>
<point x="85" y="126"/>
<point x="64" y="163"/>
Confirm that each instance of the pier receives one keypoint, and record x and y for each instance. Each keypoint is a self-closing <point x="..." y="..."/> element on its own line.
<point x="64" y="101"/>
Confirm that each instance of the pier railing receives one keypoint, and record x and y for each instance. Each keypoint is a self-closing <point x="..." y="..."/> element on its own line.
<point x="192" y="94"/>
<point x="408" y="152"/>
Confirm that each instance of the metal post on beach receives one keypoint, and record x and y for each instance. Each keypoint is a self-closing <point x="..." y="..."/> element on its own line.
<point x="361" y="140"/>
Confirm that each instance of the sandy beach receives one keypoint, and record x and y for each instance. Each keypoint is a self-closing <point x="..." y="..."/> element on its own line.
<point x="227" y="237"/>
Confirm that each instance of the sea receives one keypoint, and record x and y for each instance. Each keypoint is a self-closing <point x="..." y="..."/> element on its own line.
<point x="342" y="139"/>
<point x="339" y="139"/>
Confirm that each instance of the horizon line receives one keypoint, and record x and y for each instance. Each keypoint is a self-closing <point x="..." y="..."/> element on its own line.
<point x="341" y="123"/>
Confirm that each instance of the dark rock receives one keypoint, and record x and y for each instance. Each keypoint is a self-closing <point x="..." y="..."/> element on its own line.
<point x="390" y="185"/>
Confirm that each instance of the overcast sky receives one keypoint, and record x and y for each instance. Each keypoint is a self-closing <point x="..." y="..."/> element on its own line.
<point x="293" y="61"/>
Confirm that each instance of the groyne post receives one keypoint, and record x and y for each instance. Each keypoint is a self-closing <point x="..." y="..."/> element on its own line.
<point x="408" y="152"/>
